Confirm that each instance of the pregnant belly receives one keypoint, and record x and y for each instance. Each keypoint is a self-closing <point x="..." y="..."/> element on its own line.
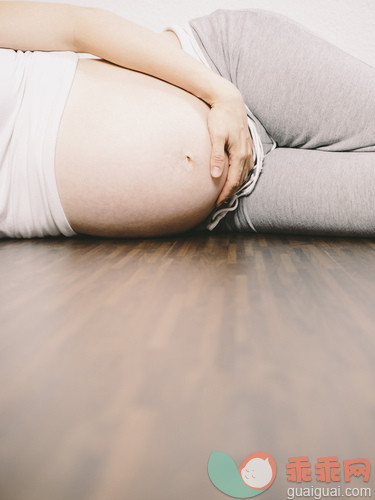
<point x="132" y="154"/>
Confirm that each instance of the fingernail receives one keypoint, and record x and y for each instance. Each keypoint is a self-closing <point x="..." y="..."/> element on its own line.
<point x="216" y="171"/>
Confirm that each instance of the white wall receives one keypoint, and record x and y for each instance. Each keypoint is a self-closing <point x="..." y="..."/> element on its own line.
<point x="350" y="24"/>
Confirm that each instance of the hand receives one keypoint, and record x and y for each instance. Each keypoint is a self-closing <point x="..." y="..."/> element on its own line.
<point x="229" y="132"/>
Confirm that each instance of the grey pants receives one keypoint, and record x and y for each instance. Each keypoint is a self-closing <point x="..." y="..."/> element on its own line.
<point x="318" y="104"/>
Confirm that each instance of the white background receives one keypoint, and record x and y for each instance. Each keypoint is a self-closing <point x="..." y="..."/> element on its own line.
<point x="349" y="24"/>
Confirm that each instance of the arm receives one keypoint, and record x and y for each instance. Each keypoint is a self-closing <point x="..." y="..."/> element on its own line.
<point x="47" y="27"/>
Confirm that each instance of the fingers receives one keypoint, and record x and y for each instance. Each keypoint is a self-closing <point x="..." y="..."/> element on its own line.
<point x="217" y="164"/>
<point x="232" y="185"/>
<point x="248" y="165"/>
<point x="240" y="167"/>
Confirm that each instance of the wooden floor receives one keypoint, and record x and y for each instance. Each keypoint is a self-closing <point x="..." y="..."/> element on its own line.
<point x="124" y="364"/>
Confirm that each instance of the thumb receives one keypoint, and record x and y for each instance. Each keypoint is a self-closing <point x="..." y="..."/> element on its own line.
<point x="217" y="159"/>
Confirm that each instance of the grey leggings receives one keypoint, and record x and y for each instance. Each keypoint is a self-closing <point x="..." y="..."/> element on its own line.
<point x="318" y="104"/>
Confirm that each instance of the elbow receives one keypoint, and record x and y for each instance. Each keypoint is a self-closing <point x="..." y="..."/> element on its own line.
<point x="83" y="24"/>
<point x="91" y="26"/>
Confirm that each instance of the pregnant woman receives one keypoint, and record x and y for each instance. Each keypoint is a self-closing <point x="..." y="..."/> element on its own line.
<point x="147" y="140"/>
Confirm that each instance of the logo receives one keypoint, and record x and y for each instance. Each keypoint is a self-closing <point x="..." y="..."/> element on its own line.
<point x="255" y="475"/>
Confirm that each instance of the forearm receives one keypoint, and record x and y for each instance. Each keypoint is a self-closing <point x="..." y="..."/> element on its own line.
<point x="127" y="44"/>
<point x="54" y="27"/>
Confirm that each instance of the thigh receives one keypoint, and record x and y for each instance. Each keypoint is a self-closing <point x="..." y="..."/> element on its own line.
<point x="311" y="192"/>
<point x="306" y="92"/>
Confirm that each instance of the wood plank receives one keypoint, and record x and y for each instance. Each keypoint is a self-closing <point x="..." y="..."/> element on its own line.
<point x="125" y="363"/>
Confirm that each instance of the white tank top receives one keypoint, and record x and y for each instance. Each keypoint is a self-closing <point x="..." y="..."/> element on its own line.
<point x="33" y="91"/>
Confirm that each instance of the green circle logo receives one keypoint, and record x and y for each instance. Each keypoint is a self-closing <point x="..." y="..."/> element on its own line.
<point x="255" y="474"/>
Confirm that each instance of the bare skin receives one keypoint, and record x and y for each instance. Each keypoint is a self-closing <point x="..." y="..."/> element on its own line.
<point x="132" y="154"/>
